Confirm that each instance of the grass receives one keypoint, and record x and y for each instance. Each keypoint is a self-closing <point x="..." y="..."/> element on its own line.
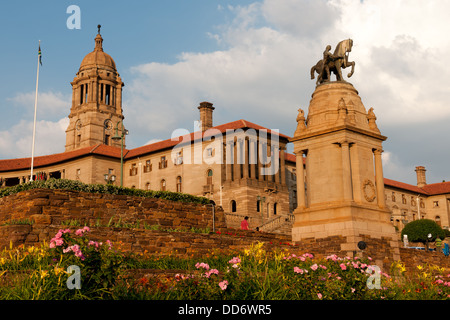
<point x="118" y="223"/>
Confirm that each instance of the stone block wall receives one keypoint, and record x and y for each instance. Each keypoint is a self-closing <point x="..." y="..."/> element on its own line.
<point x="55" y="207"/>
<point x="49" y="208"/>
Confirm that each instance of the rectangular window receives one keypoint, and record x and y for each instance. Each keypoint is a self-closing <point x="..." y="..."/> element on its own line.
<point x="133" y="170"/>
<point x="163" y="162"/>
<point x="148" y="166"/>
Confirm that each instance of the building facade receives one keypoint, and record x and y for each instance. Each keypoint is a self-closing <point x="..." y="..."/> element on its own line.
<point x="239" y="165"/>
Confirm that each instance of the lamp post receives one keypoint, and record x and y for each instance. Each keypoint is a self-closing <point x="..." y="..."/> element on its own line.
<point x="117" y="137"/>
<point x="109" y="179"/>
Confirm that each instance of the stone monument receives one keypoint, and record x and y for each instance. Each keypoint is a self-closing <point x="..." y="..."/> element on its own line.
<point x="341" y="193"/>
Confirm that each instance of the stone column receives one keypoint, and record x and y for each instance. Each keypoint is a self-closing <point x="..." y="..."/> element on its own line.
<point x="245" y="157"/>
<point x="276" y="163"/>
<point x="253" y="157"/>
<point x="260" y="166"/>
<point x="301" y="199"/>
<point x="379" y="180"/>
<point x="346" y="171"/>
<point x="237" y="166"/>
<point x="283" y="166"/>
<point x="229" y="160"/>
<point x="270" y="167"/>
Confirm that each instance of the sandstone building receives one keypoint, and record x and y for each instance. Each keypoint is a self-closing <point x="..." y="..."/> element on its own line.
<point x="240" y="165"/>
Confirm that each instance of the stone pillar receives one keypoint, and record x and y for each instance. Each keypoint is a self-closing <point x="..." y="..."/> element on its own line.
<point x="270" y="165"/>
<point x="346" y="171"/>
<point x="253" y="159"/>
<point x="229" y="160"/>
<point x="301" y="199"/>
<point x="245" y="157"/>
<point x="276" y="163"/>
<point x="283" y="166"/>
<point x="237" y="166"/>
<point x="260" y="166"/>
<point x="379" y="180"/>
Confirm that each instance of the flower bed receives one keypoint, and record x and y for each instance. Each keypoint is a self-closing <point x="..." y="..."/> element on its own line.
<point x="253" y="273"/>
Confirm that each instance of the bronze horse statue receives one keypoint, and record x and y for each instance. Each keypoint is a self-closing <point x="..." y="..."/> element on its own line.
<point x="334" y="62"/>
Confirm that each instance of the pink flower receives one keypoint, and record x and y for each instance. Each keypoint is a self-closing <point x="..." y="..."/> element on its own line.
<point x="210" y="272"/>
<point x="223" y="285"/>
<point x="235" y="260"/>
<point x="80" y="232"/>
<point x="314" y="267"/>
<point x="319" y="295"/>
<point x="343" y="266"/>
<point x="301" y="271"/>
<point x="202" y="265"/>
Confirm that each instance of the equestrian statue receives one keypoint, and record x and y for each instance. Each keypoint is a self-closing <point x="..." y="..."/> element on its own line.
<point x="333" y="62"/>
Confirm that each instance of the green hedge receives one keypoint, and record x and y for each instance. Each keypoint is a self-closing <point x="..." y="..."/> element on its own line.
<point x="72" y="185"/>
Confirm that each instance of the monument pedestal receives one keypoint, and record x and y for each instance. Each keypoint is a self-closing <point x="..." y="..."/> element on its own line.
<point x="341" y="192"/>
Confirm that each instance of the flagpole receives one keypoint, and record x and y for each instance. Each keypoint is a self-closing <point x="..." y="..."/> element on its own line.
<point x="35" y="111"/>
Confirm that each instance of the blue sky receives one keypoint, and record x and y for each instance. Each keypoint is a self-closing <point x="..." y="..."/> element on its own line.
<point x="250" y="58"/>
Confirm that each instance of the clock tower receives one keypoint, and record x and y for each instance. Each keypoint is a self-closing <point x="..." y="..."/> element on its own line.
<point x="96" y="114"/>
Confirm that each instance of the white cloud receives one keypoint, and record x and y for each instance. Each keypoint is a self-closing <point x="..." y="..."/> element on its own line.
<point x="399" y="49"/>
<point x="16" y="142"/>
<point x="50" y="104"/>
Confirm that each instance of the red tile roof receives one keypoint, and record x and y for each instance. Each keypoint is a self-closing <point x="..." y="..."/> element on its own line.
<point x="25" y="163"/>
<point x="109" y="151"/>
<point x="161" y="145"/>
<point x="404" y="186"/>
<point x="437" y="188"/>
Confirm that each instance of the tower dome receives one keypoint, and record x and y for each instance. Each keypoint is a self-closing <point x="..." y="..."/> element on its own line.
<point x="96" y="101"/>
<point x="98" y="58"/>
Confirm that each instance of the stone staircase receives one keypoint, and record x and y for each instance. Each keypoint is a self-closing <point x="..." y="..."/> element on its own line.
<point x="280" y="224"/>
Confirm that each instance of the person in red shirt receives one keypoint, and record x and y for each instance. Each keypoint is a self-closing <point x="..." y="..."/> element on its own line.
<point x="244" y="224"/>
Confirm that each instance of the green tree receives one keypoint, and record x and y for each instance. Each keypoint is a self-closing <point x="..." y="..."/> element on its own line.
<point x="419" y="230"/>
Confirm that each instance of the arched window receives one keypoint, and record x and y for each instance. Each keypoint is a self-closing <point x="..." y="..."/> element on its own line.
<point x="233" y="206"/>
<point x="209" y="175"/>
<point x="163" y="185"/>
<point x="178" y="184"/>
<point x="147" y="186"/>
<point x="274" y="208"/>
<point x="437" y="219"/>
<point x="258" y="205"/>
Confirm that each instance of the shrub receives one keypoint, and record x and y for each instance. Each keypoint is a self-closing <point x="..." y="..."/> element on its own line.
<point x="73" y="185"/>
<point x="418" y="231"/>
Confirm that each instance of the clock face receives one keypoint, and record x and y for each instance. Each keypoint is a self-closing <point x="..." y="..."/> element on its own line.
<point x="108" y="125"/>
<point x="78" y="125"/>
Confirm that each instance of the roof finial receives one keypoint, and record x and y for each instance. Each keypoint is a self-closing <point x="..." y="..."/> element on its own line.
<point x="98" y="40"/>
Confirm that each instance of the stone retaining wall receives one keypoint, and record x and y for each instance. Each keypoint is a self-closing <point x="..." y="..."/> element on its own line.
<point x="50" y="208"/>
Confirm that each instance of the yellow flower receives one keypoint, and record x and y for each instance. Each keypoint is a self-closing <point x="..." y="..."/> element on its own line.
<point x="58" y="270"/>
<point x="419" y="267"/>
<point x="44" y="273"/>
